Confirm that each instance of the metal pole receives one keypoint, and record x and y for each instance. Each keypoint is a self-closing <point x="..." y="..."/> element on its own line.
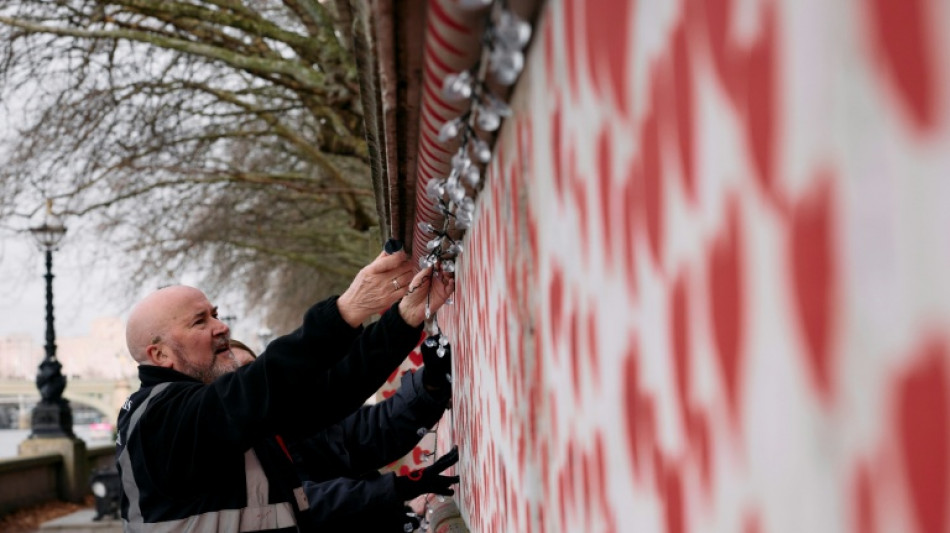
<point x="50" y="332"/>
<point x="52" y="417"/>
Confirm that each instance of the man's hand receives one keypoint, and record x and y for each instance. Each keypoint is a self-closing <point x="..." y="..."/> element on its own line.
<point x="437" y="369"/>
<point x="428" y="480"/>
<point x="423" y="287"/>
<point x="376" y="287"/>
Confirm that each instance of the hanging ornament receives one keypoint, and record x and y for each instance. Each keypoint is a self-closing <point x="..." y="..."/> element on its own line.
<point x="457" y="194"/>
<point x="511" y="31"/>
<point x="472" y="176"/>
<point x="434" y="189"/>
<point x="506" y="65"/>
<point x="487" y="120"/>
<point x="457" y="87"/>
<point x="450" y="129"/>
<point x="461" y="161"/>
<point x="481" y="151"/>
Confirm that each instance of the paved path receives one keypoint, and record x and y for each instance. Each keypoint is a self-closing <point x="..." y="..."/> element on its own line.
<point x="81" y="522"/>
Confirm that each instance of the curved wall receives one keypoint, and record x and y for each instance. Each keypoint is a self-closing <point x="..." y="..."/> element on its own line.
<point x="707" y="287"/>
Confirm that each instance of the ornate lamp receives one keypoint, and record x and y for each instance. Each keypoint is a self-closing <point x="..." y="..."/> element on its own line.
<point x="52" y="417"/>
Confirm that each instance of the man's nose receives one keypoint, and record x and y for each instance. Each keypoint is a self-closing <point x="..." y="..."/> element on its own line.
<point x="222" y="328"/>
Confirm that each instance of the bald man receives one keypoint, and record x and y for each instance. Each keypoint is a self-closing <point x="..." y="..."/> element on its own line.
<point x="176" y="327"/>
<point x="185" y="449"/>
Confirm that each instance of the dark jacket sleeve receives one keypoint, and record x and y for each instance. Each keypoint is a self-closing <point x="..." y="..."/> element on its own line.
<point x="375" y="435"/>
<point x="195" y="427"/>
<point x="373" y="357"/>
<point x="342" y="498"/>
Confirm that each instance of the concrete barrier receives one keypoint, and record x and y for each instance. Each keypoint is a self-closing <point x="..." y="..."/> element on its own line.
<point x="26" y="481"/>
<point x="101" y="457"/>
<point x="45" y="477"/>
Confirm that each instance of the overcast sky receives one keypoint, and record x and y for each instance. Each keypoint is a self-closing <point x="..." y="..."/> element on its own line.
<point x="79" y="294"/>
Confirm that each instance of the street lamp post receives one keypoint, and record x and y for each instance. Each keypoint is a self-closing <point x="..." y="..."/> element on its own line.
<point x="52" y="416"/>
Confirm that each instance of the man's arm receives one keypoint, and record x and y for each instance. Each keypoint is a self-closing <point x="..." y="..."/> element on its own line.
<point x="340" y="498"/>
<point x="374" y="435"/>
<point x="200" y="422"/>
<point x="376" y="353"/>
<point x="345" y="497"/>
<point x="344" y="387"/>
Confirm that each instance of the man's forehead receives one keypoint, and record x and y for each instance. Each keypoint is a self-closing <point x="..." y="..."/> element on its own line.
<point x="197" y="308"/>
<point x="192" y="304"/>
<point x="201" y="309"/>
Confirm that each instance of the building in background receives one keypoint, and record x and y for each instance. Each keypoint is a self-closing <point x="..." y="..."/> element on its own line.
<point x="19" y="357"/>
<point x="101" y="354"/>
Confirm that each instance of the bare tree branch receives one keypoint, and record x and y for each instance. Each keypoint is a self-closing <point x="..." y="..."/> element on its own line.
<point x="217" y="135"/>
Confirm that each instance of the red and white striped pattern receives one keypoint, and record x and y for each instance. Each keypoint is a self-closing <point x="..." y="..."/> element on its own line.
<point x="452" y="44"/>
<point x="707" y="286"/>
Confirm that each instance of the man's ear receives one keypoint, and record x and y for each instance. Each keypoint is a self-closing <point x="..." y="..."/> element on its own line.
<point x="157" y="355"/>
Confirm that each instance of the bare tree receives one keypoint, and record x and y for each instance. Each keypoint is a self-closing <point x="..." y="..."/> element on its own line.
<point x="222" y="133"/>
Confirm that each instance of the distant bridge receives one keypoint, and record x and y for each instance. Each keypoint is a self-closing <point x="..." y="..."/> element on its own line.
<point x="103" y="395"/>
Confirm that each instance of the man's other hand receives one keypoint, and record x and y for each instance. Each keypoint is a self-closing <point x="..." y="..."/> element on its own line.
<point x="424" y="288"/>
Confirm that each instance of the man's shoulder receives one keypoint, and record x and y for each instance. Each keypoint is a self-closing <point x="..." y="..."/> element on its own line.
<point x="150" y="395"/>
<point x="151" y="376"/>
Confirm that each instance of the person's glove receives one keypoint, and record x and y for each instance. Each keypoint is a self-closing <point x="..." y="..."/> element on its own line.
<point x="438" y="368"/>
<point x="429" y="479"/>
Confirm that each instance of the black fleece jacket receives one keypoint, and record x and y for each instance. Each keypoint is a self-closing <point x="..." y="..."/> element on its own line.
<point x="187" y="452"/>
<point x="339" y="465"/>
